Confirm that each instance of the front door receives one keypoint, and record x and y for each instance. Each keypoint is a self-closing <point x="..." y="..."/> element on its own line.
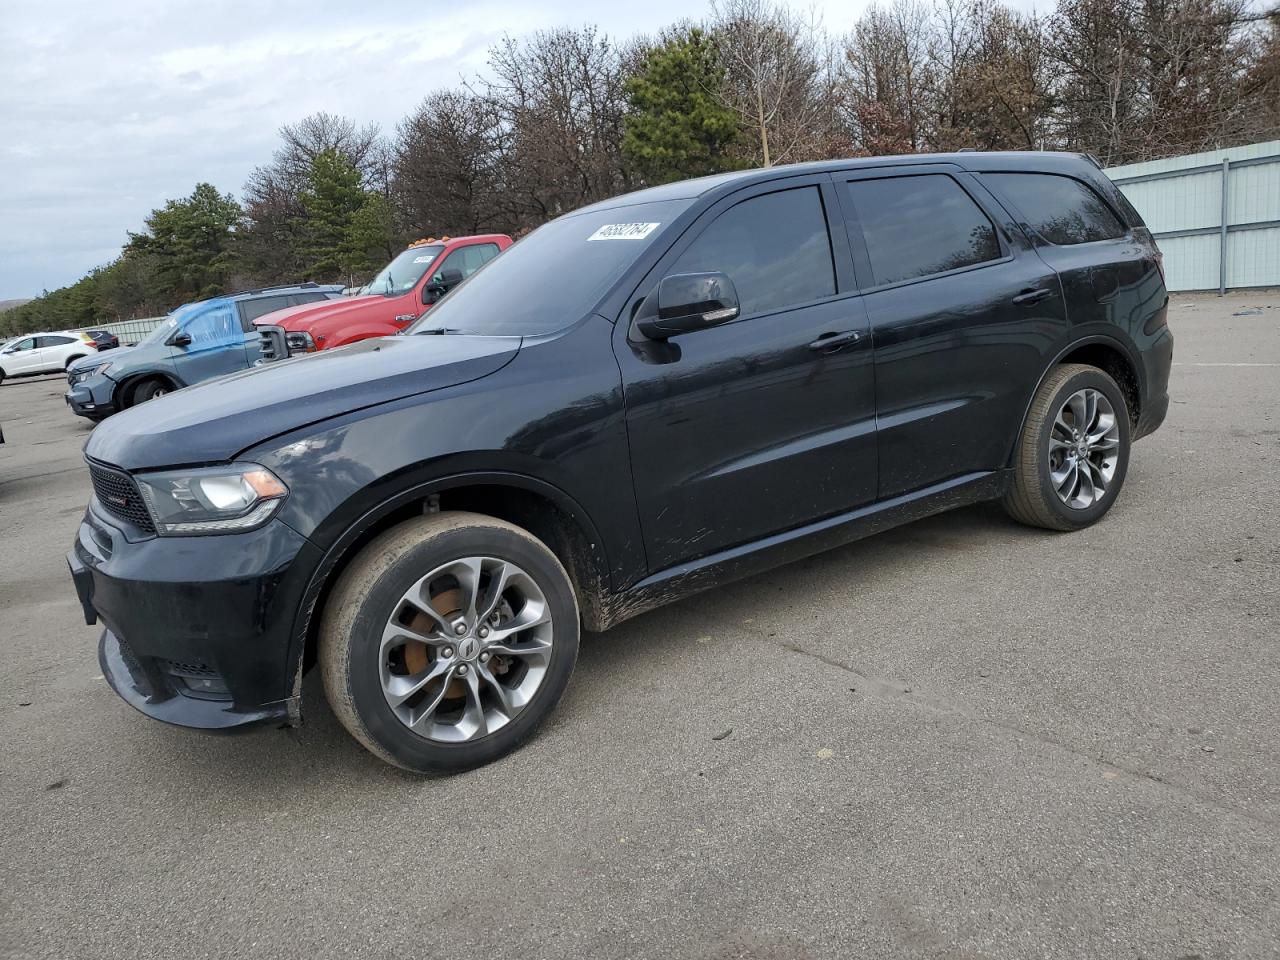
<point x="22" y="357"/>
<point x="753" y="427"/>
<point x="217" y="344"/>
<point x="964" y="315"/>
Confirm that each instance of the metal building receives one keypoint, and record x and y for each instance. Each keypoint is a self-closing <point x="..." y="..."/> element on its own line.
<point x="1216" y="215"/>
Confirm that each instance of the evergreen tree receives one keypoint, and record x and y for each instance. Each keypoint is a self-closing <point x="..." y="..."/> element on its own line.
<point x="676" y="126"/>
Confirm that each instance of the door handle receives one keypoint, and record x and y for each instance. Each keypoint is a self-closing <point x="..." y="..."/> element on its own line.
<point x="1033" y="296"/>
<point x="831" y="342"/>
<point x="406" y="317"/>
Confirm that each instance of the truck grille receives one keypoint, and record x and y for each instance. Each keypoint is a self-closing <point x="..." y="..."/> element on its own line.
<point x="119" y="496"/>
<point x="273" y="342"/>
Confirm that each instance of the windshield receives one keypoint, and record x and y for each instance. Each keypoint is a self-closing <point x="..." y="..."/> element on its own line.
<point x="403" y="273"/>
<point x="554" y="276"/>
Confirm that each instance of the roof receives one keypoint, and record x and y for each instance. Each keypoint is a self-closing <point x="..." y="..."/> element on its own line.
<point x="723" y="182"/>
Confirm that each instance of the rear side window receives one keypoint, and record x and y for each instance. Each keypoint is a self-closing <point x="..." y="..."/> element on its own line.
<point x="298" y="299"/>
<point x="922" y="225"/>
<point x="54" y="341"/>
<point x="1062" y="210"/>
<point x="251" y="310"/>
<point x="775" y="248"/>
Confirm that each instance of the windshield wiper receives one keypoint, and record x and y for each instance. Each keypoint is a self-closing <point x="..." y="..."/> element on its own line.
<point x="436" y="331"/>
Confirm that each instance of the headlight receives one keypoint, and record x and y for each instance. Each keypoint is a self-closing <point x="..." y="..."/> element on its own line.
<point x="229" y="499"/>
<point x="299" y="342"/>
<point x="84" y="373"/>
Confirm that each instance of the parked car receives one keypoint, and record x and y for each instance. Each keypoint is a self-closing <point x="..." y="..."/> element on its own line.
<point x="388" y="303"/>
<point x="645" y="398"/>
<point x="105" y="339"/>
<point x="196" y="342"/>
<point x="37" y="353"/>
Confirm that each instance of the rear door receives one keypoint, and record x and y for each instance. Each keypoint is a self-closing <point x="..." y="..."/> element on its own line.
<point x="963" y="314"/>
<point x="251" y="310"/>
<point x="1109" y="275"/>
<point x="752" y="427"/>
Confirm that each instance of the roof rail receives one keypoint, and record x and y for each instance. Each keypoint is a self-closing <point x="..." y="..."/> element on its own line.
<point x="305" y="285"/>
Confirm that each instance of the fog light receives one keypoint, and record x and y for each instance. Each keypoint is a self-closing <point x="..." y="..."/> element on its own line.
<point x="205" y="685"/>
<point x="88" y="406"/>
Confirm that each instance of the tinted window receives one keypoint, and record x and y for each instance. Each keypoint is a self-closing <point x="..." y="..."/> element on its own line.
<point x="556" y="275"/>
<point x="26" y="344"/>
<point x="1060" y="209"/>
<point x="297" y="299"/>
<point x="54" y="341"/>
<point x="775" y="249"/>
<point x="917" y="226"/>
<point x="253" y="309"/>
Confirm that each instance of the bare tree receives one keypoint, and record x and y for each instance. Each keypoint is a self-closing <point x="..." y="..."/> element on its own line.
<point x="775" y="82"/>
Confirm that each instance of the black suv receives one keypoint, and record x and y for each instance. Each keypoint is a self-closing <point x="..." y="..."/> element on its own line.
<point x="642" y="399"/>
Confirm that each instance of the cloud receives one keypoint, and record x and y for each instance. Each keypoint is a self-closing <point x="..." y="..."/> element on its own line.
<point x="107" y="110"/>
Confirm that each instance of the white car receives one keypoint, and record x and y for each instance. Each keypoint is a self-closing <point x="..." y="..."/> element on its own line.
<point x="43" y="353"/>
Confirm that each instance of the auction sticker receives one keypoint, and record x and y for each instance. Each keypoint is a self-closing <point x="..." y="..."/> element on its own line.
<point x="624" y="231"/>
<point x="424" y="259"/>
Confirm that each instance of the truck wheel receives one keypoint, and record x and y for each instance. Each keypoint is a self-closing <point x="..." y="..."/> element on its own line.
<point x="148" y="390"/>
<point x="447" y="641"/>
<point x="1073" y="452"/>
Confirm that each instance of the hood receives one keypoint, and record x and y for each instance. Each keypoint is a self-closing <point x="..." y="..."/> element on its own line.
<point x="215" y="420"/>
<point x="301" y="318"/>
<point x="121" y="357"/>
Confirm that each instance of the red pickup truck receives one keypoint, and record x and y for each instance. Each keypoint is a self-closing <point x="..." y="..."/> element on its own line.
<point x="388" y="303"/>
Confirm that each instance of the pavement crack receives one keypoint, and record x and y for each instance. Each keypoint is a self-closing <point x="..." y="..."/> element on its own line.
<point x="886" y="689"/>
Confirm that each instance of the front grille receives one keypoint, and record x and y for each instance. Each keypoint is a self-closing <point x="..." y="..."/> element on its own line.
<point x="273" y="343"/>
<point x="119" y="496"/>
<point x="188" y="669"/>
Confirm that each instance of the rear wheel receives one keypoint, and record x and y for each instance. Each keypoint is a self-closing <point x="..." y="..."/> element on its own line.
<point x="1073" y="452"/>
<point x="71" y="360"/>
<point x="148" y="390"/>
<point x="447" y="641"/>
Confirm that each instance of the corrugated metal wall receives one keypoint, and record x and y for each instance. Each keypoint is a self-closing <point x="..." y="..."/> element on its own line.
<point x="1181" y="199"/>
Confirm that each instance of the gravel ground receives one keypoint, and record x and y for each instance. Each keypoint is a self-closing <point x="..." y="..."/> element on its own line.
<point x="962" y="738"/>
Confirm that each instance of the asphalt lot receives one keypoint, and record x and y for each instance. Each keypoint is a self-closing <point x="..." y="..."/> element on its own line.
<point x="962" y="738"/>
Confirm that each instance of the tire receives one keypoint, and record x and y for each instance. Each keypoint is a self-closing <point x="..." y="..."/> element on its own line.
<point x="372" y="597"/>
<point x="2" y="375"/>
<point x="1035" y="498"/>
<point x="70" y="360"/>
<point x="147" y="390"/>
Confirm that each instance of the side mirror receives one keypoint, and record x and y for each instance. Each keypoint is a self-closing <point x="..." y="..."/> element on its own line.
<point x="440" y="284"/>
<point x="180" y="339"/>
<point x="687" y="302"/>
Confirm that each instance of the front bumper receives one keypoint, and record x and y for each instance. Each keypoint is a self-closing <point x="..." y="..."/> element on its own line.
<point x="94" y="397"/>
<point x="198" y="629"/>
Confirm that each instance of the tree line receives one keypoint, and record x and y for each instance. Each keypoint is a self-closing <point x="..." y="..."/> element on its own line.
<point x="566" y="117"/>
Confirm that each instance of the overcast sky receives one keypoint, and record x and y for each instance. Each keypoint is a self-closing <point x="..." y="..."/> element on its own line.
<point x="108" y="109"/>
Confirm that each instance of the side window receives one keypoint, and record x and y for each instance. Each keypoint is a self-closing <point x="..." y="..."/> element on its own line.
<point x="920" y="225"/>
<point x="297" y="299"/>
<point x="472" y="258"/>
<point x="216" y="327"/>
<point x="1061" y="209"/>
<point x="27" y="344"/>
<point x="775" y="248"/>
<point x="251" y="310"/>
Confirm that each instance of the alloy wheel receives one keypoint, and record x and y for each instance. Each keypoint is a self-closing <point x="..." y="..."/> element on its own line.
<point x="465" y="649"/>
<point x="1084" y="448"/>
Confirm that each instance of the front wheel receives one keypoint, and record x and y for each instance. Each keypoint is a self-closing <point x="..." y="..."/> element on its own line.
<point x="1073" y="452"/>
<point x="148" y="390"/>
<point x="447" y="641"/>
